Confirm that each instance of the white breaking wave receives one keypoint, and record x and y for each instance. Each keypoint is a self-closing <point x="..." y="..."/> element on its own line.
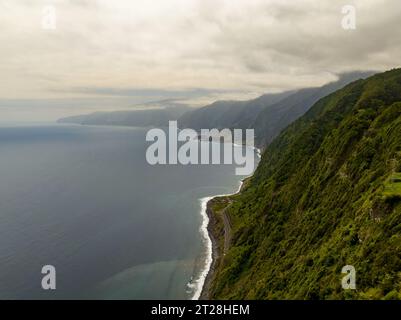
<point x="197" y="285"/>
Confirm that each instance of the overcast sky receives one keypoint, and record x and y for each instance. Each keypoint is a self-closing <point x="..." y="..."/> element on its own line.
<point x="106" y="55"/>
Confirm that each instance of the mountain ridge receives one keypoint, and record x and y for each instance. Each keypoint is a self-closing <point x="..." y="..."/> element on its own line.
<point x="268" y="114"/>
<point x="324" y="195"/>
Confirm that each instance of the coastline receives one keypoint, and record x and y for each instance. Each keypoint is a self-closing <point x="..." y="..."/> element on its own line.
<point x="209" y="241"/>
<point x="203" y="283"/>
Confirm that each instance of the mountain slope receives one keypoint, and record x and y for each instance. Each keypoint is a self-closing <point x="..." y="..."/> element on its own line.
<point x="268" y="114"/>
<point x="229" y="114"/>
<point x="326" y="194"/>
<point x="273" y="119"/>
<point x="219" y="114"/>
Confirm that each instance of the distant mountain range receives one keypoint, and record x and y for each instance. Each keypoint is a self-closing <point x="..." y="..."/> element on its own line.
<point x="229" y="114"/>
<point x="137" y="118"/>
<point x="268" y="115"/>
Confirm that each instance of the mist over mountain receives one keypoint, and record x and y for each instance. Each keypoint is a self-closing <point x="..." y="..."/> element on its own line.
<point x="274" y="118"/>
<point x="268" y="114"/>
<point x="229" y="114"/>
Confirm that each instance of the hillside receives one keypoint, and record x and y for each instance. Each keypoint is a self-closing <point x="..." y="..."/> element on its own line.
<point x="268" y="114"/>
<point x="326" y="194"/>
<point x="273" y="119"/>
<point x="229" y="114"/>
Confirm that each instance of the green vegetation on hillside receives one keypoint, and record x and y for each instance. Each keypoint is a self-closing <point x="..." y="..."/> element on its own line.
<point x="392" y="188"/>
<point x="326" y="194"/>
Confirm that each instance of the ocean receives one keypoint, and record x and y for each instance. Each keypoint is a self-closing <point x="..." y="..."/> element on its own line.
<point x="84" y="200"/>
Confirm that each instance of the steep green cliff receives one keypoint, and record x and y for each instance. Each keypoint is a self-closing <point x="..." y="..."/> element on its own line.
<point x="326" y="194"/>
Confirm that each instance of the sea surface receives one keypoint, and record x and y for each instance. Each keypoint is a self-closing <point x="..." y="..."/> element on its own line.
<point x="84" y="200"/>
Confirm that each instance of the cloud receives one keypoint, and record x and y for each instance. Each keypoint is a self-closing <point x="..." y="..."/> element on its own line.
<point x="193" y="49"/>
<point x="143" y="92"/>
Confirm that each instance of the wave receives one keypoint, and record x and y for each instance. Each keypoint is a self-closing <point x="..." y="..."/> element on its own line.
<point x="196" y="286"/>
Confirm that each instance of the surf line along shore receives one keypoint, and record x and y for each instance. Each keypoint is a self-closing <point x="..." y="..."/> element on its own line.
<point x="211" y="241"/>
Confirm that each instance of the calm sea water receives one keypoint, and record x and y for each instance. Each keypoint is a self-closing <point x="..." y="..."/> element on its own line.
<point x="84" y="200"/>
